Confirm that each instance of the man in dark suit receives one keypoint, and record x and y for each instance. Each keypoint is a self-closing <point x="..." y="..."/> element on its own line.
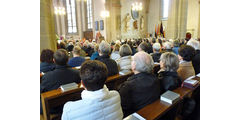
<point x="196" y="59"/>
<point x="62" y="74"/>
<point x="142" y="88"/>
<point x="104" y="51"/>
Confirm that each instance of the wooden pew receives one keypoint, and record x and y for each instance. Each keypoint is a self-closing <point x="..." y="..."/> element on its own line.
<point x="114" y="81"/>
<point x="158" y="108"/>
<point x="55" y="98"/>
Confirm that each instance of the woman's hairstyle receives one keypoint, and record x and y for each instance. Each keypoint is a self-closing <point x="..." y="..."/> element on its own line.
<point x="170" y="61"/>
<point x="125" y="50"/>
<point x="77" y="50"/>
<point x="186" y="52"/>
<point x="116" y="47"/>
<point x="96" y="47"/>
<point x="46" y="56"/>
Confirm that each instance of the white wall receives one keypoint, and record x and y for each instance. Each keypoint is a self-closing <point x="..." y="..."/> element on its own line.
<point x="98" y="6"/>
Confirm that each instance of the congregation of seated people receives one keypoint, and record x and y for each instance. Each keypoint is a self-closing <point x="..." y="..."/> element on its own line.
<point x="178" y="61"/>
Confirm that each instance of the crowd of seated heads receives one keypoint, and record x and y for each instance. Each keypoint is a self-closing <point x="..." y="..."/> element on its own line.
<point x="177" y="62"/>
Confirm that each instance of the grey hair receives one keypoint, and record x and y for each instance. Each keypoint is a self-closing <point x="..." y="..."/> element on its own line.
<point x="170" y="61"/>
<point x="144" y="62"/>
<point x="195" y="44"/>
<point x="156" y="46"/>
<point x="125" y="50"/>
<point x="167" y="45"/>
<point x="104" y="48"/>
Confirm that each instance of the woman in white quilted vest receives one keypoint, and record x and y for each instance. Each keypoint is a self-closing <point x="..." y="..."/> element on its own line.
<point x="97" y="101"/>
<point x="124" y="63"/>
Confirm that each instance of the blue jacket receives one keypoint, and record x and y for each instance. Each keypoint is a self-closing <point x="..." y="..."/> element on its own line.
<point x="76" y="61"/>
<point x="175" y="50"/>
<point x="94" y="56"/>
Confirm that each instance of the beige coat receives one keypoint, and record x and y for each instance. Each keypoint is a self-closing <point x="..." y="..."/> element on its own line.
<point x="185" y="70"/>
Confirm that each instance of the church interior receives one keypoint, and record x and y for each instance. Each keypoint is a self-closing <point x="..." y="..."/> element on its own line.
<point x="120" y="59"/>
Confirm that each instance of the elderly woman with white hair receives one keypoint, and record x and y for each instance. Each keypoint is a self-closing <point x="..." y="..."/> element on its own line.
<point x="168" y="76"/>
<point x="104" y="51"/>
<point x="142" y="88"/>
<point x="167" y="47"/>
<point x="196" y="58"/>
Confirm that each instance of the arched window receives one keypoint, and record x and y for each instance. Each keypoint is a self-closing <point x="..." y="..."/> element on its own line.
<point x="165" y="8"/>
<point x="89" y="14"/>
<point x="71" y="16"/>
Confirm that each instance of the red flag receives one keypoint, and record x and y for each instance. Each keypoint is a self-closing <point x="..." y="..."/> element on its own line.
<point x="155" y="32"/>
<point x="158" y="30"/>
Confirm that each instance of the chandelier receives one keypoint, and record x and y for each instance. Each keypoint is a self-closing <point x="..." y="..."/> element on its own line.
<point x="137" y="6"/>
<point x="59" y="10"/>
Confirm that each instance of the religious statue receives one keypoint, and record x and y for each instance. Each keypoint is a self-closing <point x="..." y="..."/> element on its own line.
<point x="135" y="24"/>
<point x="126" y="22"/>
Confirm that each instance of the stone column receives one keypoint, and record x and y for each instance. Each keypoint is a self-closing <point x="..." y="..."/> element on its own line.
<point x="177" y="19"/>
<point x="182" y="25"/>
<point x="172" y="23"/>
<point x="47" y="29"/>
<point x="62" y="19"/>
<point x="79" y="20"/>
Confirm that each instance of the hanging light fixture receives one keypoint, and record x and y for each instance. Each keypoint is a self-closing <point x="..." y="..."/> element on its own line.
<point x="59" y="10"/>
<point x="137" y="6"/>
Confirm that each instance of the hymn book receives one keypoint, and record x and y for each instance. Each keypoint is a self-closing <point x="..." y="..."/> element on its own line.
<point x="170" y="97"/>
<point x="124" y="72"/>
<point x="189" y="83"/>
<point x="69" y="86"/>
<point x="134" y="116"/>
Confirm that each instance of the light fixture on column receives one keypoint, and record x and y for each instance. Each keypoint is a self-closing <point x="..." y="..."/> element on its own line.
<point x="137" y="6"/>
<point x="104" y="14"/>
<point x="59" y="10"/>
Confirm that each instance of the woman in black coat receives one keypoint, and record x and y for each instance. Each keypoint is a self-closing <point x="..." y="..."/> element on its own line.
<point x="168" y="76"/>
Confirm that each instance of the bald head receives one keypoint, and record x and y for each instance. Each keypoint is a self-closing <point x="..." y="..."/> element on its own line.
<point x="142" y="62"/>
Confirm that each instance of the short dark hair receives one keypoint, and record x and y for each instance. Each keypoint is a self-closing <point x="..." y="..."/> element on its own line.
<point x="93" y="74"/>
<point x="153" y="40"/>
<point x="46" y="56"/>
<point x="186" y="52"/>
<point x="61" y="57"/>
